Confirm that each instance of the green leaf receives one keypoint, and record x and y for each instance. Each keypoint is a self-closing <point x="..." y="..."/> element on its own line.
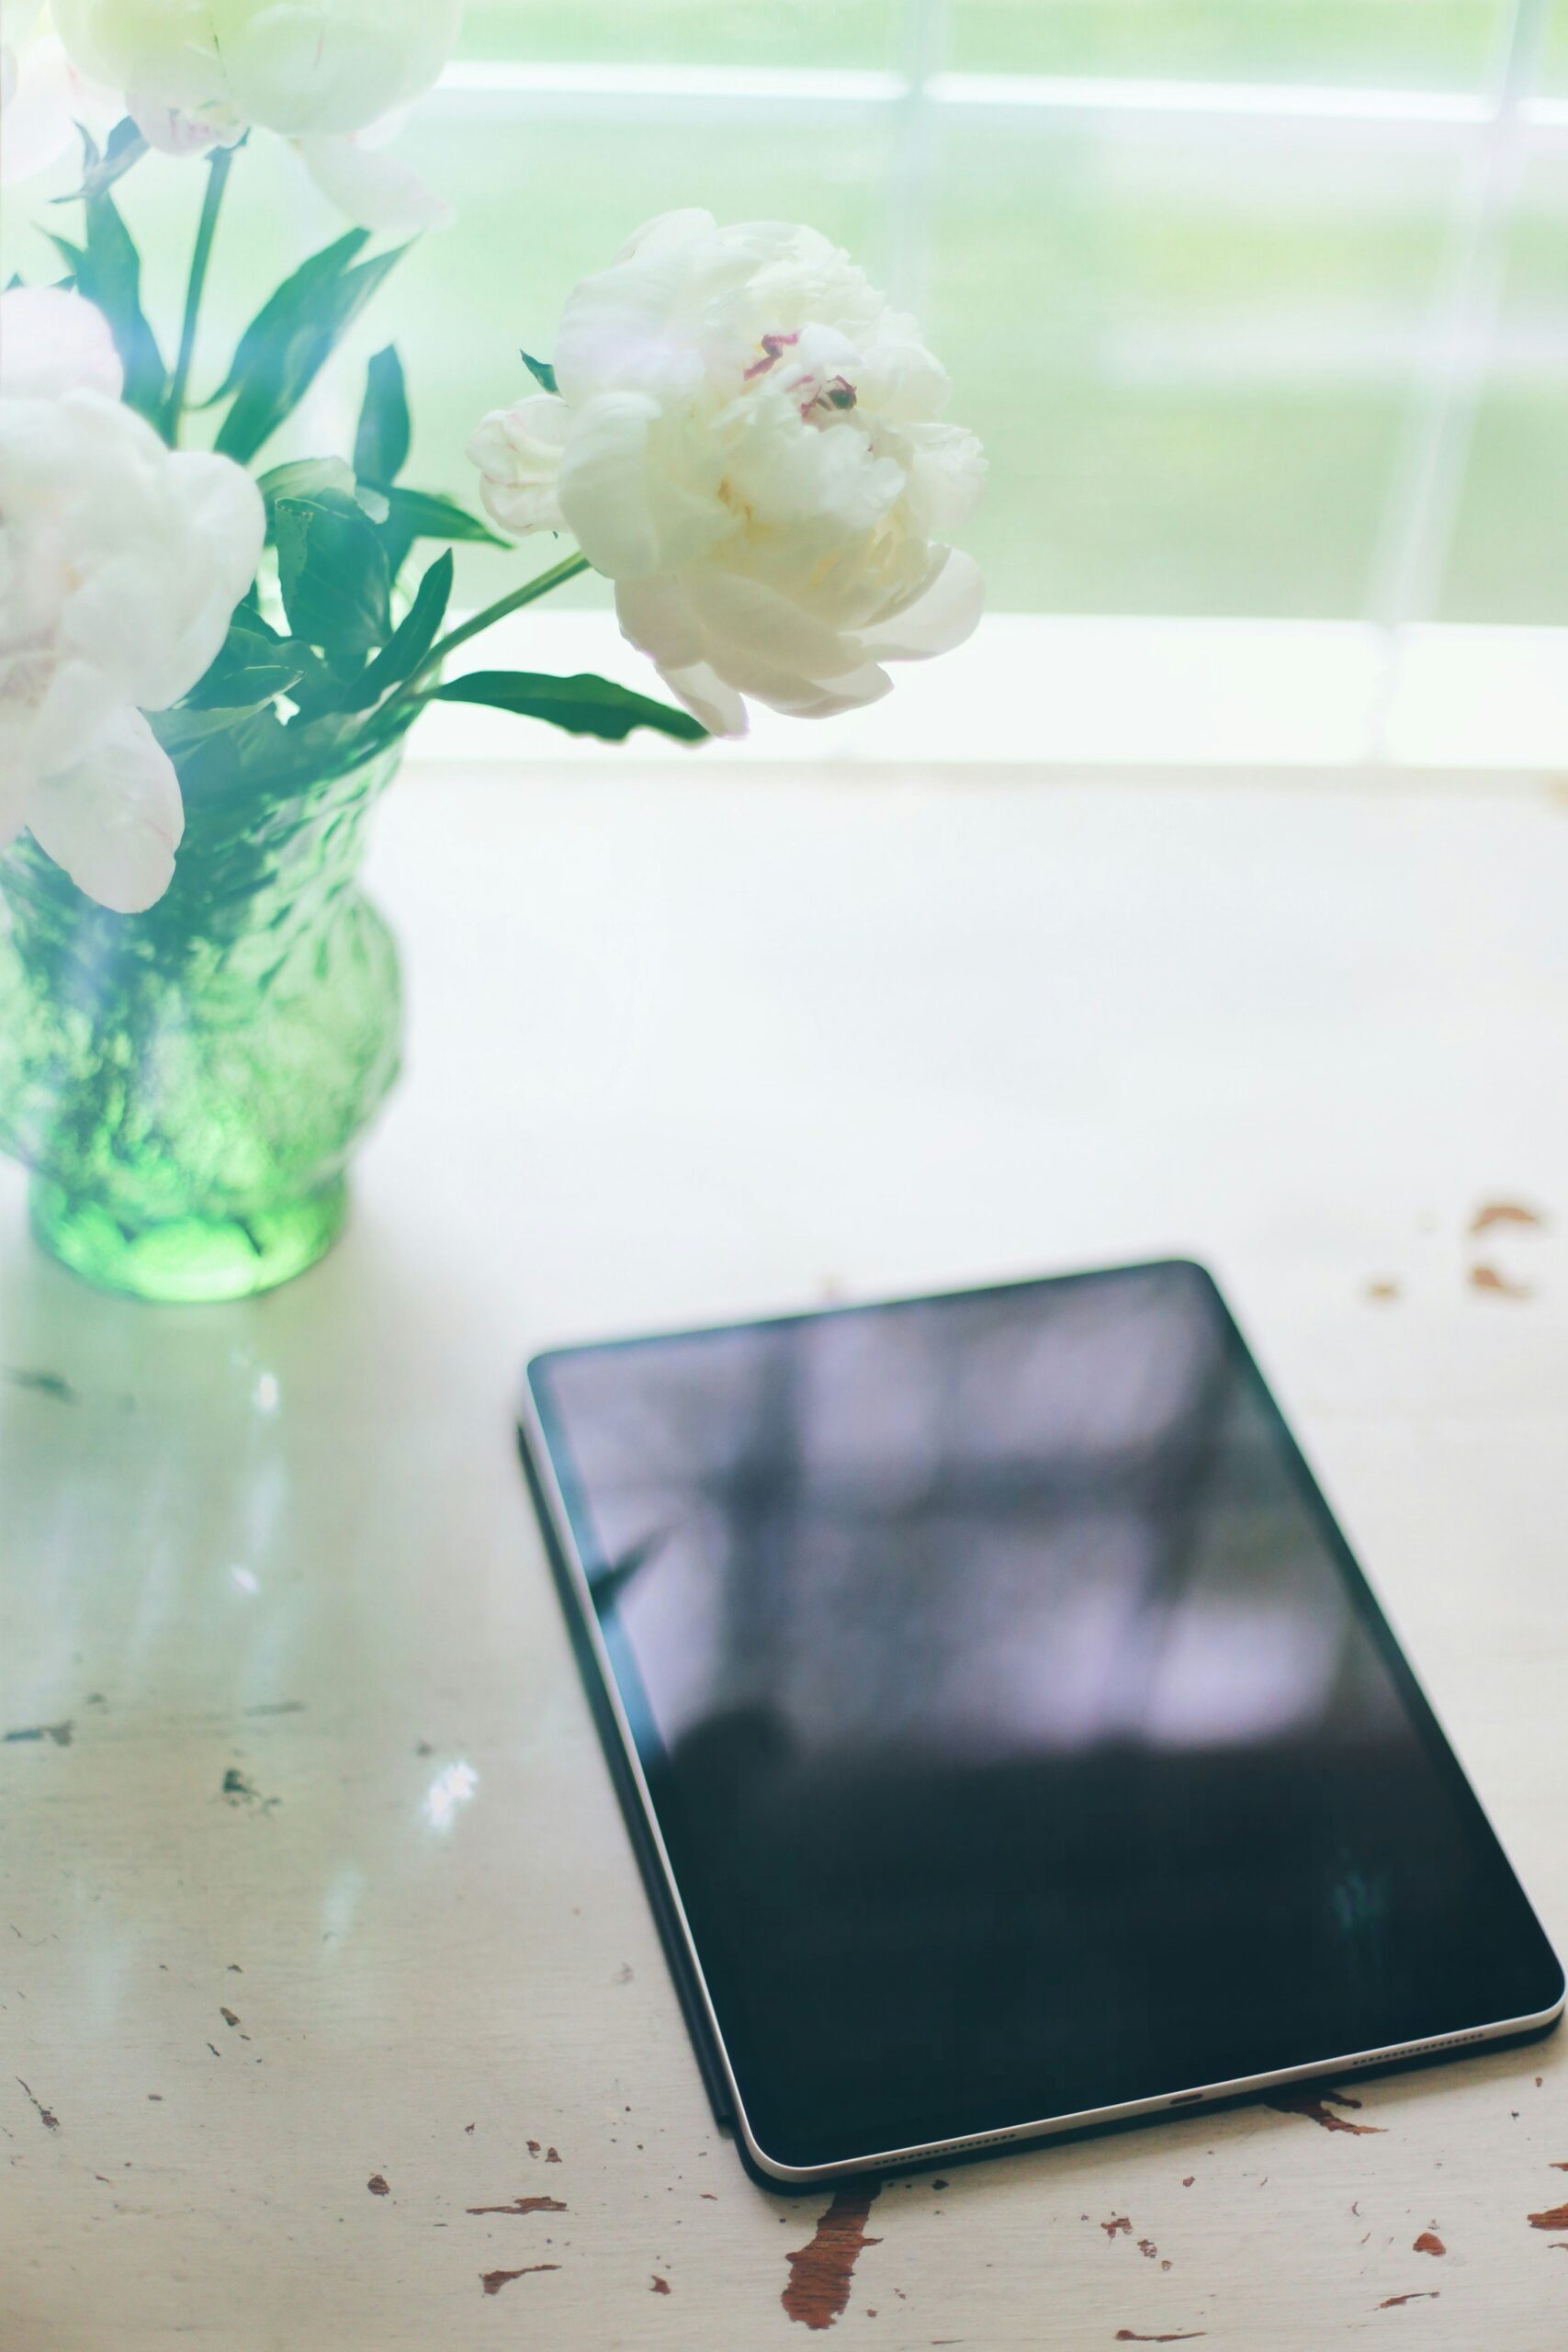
<point x="319" y="478"/>
<point x="424" y="514"/>
<point x="246" y="689"/>
<point x="125" y="146"/>
<point x="413" y="637"/>
<point x="181" y="730"/>
<point x="282" y="351"/>
<point x="333" y="572"/>
<point x="313" y="278"/>
<point x="73" y="257"/>
<point x="224" y="746"/>
<point x="396" y="542"/>
<point x="229" y="755"/>
<point x="113" y="281"/>
<point x="421" y="514"/>
<point x="257" y="664"/>
<point x="107" y="271"/>
<point x="583" y="705"/>
<point x="252" y="666"/>
<point x="540" y="370"/>
<point x="316" y="741"/>
<point x="250" y="638"/>
<point x="382" y="442"/>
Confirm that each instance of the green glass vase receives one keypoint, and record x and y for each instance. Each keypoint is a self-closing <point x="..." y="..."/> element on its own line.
<point x="187" y="1085"/>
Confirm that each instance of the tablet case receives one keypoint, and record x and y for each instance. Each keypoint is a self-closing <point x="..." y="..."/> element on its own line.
<point x="676" y="1954"/>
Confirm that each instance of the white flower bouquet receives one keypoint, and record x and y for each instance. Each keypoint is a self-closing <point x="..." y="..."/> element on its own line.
<point x="734" y="428"/>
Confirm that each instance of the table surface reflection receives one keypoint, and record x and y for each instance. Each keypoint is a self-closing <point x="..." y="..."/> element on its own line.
<point x="333" y="2014"/>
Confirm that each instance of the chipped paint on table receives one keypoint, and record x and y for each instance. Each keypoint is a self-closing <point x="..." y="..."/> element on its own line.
<point x="333" y="2015"/>
<point x="821" y="2273"/>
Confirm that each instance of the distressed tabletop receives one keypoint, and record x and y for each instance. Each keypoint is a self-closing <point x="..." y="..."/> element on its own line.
<point x="332" y="2016"/>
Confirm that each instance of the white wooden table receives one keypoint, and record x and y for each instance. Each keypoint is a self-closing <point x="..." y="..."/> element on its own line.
<point x="321" y="1945"/>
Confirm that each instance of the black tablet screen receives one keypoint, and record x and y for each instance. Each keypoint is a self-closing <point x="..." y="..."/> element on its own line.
<point x="1022" y="1735"/>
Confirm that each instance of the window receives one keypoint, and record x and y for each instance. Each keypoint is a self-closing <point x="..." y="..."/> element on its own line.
<point x="1259" y="306"/>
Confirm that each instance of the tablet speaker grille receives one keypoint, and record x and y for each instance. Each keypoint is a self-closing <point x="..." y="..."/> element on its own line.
<point x="1415" y="2050"/>
<point x="988" y="2140"/>
<point x="1373" y="2058"/>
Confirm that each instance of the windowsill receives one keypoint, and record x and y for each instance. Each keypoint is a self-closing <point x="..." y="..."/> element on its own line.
<point x="1304" y="699"/>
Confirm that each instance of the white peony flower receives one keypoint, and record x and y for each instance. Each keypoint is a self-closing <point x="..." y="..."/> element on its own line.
<point x="745" y="438"/>
<point x="55" y="343"/>
<point x="201" y="72"/>
<point x="120" y="564"/>
<point x="40" y="94"/>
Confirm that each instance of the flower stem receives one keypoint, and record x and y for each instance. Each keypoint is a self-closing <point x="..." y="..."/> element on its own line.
<point x="569" y="567"/>
<point x="402" y="706"/>
<point x="217" y="166"/>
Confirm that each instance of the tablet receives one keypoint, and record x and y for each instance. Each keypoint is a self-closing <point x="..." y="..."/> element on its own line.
<point x="1010" y="1741"/>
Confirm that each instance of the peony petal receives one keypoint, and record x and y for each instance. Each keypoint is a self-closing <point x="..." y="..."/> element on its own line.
<point x="764" y="645"/>
<point x="308" y="66"/>
<point x="707" y="697"/>
<point x="52" y="342"/>
<point x="371" y="188"/>
<point x="665" y="232"/>
<point x="940" y="618"/>
<point x="77" y="705"/>
<point x="947" y="474"/>
<point x="656" y="616"/>
<point x="174" y="133"/>
<point x="758" y="627"/>
<point x="114" y="820"/>
<point x="615" y="331"/>
<point x="604" y="484"/>
<point x="166" y="51"/>
<point x="155" y="605"/>
<point x="16" y="772"/>
<point x="519" y="513"/>
<point x="517" y="451"/>
<point x="385" y="129"/>
<point x="903" y="382"/>
<point x="225" y="516"/>
<point x="37" y="129"/>
<point x="866" y="685"/>
<point x="750" y="663"/>
<point x="294" y="66"/>
<point x="804" y="698"/>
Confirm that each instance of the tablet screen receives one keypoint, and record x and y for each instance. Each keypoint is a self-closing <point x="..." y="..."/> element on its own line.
<point x="1021" y="1734"/>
